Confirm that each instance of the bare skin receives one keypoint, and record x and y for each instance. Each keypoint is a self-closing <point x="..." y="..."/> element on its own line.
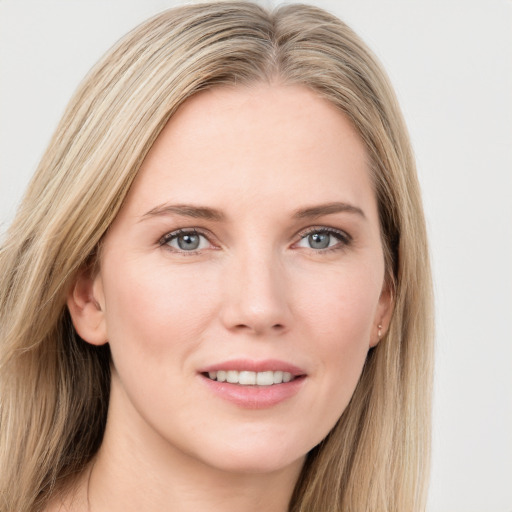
<point x="250" y="239"/>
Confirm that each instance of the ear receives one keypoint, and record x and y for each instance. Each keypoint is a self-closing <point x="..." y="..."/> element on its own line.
<point x="383" y="315"/>
<point x="86" y="304"/>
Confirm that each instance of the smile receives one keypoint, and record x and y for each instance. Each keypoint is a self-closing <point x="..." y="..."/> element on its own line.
<point x="254" y="384"/>
<point x="248" y="378"/>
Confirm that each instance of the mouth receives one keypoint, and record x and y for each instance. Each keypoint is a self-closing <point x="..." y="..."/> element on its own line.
<point x="251" y="378"/>
<point x="254" y="384"/>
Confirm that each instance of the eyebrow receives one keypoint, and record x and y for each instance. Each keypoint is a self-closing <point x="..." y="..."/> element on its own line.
<point x="327" y="209"/>
<point x="206" y="213"/>
<point x="185" y="210"/>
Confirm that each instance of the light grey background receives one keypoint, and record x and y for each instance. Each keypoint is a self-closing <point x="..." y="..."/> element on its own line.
<point x="451" y="64"/>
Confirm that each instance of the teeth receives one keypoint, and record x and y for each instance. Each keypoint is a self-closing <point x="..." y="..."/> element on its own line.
<point x="246" y="378"/>
<point x="265" y="378"/>
<point x="232" y="376"/>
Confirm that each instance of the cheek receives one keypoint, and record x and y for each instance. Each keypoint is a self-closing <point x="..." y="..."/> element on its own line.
<point x="152" y="310"/>
<point x="341" y="305"/>
<point x="338" y="324"/>
<point x="155" y="321"/>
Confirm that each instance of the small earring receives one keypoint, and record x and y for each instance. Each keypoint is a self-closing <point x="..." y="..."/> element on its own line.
<point x="379" y="334"/>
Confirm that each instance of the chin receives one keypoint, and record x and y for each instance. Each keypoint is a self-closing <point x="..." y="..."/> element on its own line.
<point x="258" y="464"/>
<point x="255" y="454"/>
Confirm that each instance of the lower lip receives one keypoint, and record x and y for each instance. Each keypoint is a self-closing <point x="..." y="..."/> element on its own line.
<point x="255" y="397"/>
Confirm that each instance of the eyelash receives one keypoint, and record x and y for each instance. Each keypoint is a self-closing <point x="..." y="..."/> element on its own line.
<point x="174" y="235"/>
<point x="344" y="239"/>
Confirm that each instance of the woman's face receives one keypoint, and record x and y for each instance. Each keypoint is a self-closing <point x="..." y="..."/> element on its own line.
<point x="247" y="254"/>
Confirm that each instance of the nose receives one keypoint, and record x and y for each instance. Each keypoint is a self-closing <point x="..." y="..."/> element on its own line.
<point x="255" y="296"/>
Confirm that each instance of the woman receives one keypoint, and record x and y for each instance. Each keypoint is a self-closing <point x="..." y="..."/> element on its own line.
<point x="216" y="291"/>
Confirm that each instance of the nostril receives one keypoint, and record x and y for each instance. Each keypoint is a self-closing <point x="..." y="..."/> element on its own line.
<point x="275" y="327"/>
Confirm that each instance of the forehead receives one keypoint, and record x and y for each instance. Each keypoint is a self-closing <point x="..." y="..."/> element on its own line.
<point x="245" y="144"/>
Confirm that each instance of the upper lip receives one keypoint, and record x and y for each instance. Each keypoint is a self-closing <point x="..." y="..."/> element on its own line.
<point x="254" y="366"/>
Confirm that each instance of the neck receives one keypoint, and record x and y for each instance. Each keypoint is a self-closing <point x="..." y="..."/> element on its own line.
<point x="133" y="488"/>
<point x="136" y="471"/>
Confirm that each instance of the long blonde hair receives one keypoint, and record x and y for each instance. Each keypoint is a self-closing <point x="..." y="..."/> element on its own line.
<point x="54" y="388"/>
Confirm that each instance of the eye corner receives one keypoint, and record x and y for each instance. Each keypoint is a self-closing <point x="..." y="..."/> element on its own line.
<point x="187" y="241"/>
<point x="324" y="237"/>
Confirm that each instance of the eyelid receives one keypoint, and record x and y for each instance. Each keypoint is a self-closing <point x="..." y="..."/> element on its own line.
<point x="344" y="238"/>
<point x="325" y="229"/>
<point x="171" y="235"/>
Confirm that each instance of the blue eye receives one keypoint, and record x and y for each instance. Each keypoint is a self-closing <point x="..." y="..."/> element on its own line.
<point x="323" y="239"/>
<point x="186" y="241"/>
